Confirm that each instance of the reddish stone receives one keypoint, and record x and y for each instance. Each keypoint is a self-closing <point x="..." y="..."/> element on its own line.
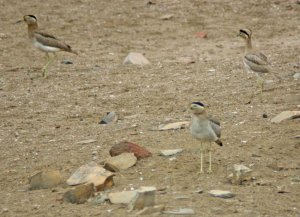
<point x="130" y="147"/>
<point x="201" y="34"/>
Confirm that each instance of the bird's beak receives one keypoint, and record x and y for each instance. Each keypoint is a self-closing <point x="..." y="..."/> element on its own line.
<point x="19" y="21"/>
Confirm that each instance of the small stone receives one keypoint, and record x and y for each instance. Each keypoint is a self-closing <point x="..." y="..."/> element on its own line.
<point x="67" y="62"/>
<point x="88" y="141"/>
<point x="120" y="162"/>
<point x="136" y="59"/>
<point x="145" y="197"/>
<point x="170" y="152"/>
<point x="46" y="179"/>
<point x="295" y="179"/>
<point x="151" y="210"/>
<point x="297" y="76"/>
<point x="199" y="191"/>
<point x="221" y="194"/>
<point x="240" y="173"/>
<point x="167" y="17"/>
<point x="174" y="126"/>
<point x="110" y="117"/>
<point x="130" y="147"/>
<point x="201" y="35"/>
<point x="4" y="210"/>
<point x="182" y="198"/>
<point x="123" y="197"/>
<point x="285" y="115"/>
<point x="265" y="115"/>
<point x="181" y="211"/>
<point x="80" y="194"/>
<point x="92" y="173"/>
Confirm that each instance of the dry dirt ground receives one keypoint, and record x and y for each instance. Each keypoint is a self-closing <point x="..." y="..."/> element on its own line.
<point x="43" y="119"/>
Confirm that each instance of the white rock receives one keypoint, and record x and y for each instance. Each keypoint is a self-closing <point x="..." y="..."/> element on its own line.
<point x="123" y="197"/>
<point x="182" y="211"/>
<point x="170" y="152"/>
<point x="297" y="76"/>
<point x="145" y="197"/>
<point x="136" y="59"/>
<point x="167" y="17"/>
<point x="221" y="194"/>
<point x="285" y="115"/>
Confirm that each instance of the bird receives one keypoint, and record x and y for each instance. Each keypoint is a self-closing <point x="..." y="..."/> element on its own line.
<point x="254" y="61"/>
<point x="44" y="41"/>
<point x="205" y="129"/>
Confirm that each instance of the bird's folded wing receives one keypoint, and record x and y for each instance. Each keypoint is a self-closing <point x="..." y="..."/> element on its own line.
<point x="215" y="125"/>
<point x="51" y="41"/>
<point x="257" y="58"/>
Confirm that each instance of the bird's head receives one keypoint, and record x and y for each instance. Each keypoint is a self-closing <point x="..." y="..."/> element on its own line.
<point x="198" y="107"/>
<point x="30" y="19"/>
<point x="245" y="33"/>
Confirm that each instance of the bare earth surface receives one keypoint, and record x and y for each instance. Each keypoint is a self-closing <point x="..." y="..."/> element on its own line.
<point x="43" y="119"/>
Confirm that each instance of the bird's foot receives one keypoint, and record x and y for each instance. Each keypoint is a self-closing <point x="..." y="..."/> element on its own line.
<point x="209" y="171"/>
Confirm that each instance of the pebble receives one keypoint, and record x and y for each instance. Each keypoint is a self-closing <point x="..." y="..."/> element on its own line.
<point x="67" y="62"/>
<point x="221" y="194"/>
<point x="110" y="117"/>
<point x="99" y="199"/>
<point x="170" y="152"/>
<point x="167" y="17"/>
<point x="240" y="173"/>
<point x="125" y="146"/>
<point x="174" y="126"/>
<point x="87" y="141"/>
<point x="297" y="76"/>
<point x="136" y="59"/>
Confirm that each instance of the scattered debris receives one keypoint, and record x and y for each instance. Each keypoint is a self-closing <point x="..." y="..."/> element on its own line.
<point x="285" y="165"/>
<point x="182" y="197"/>
<point x="186" y="60"/>
<point x="167" y="17"/>
<point x="110" y="117"/>
<point x="120" y="162"/>
<point x="145" y="197"/>
<point x="67" y="62"/>
<point x="80" y="194"/>
<point x="130" y="147"/>
<point x="296" y="179"/>
<point x="136" y="59"/>
<point x="151" y="210"/>
<point x="45" y="179"/>
<point x="201" y="34"/>
<point x="181" y="211"/>
<point x="240" y="173"/>
<point x="92" y="173"/>
<point x="221" y="194"/>
<point x="286" y="115"/>
<point x="297" y="137"/>
<point x="174" y="126"/>
<point x="199" y="191"/>
<point x="282" y="189"/>
<point x="170" y="152"/>
<point x="88" y="141"/>
<point x="123" y="197"/>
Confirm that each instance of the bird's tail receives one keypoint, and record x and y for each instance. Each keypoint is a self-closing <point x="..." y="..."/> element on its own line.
<point x="219" y="142"/>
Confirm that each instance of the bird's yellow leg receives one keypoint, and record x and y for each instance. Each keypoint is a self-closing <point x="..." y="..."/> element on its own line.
<point x="261" y="83"/>
<point x="201" y="158"/>
<point x="49" y="61"/>
<point x="209" y="153"/>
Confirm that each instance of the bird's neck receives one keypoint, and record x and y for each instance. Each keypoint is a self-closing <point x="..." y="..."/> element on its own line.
<point x="202" y="115"/>
<point x="31" y="29"/>
<point x="248" y="45"/>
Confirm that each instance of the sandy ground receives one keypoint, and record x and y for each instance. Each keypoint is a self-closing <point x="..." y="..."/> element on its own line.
<point x="43" y="119"/>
